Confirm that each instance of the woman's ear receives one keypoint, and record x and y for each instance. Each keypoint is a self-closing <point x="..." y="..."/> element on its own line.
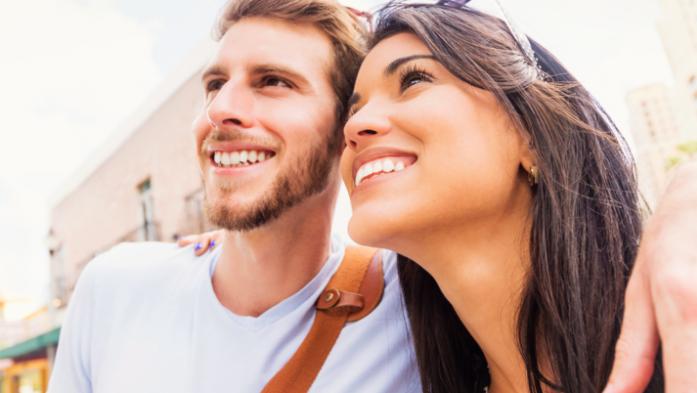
<point x="528" y="158"/>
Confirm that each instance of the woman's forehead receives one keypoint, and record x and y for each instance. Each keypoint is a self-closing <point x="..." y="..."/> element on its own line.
<point x="398" y="45"/>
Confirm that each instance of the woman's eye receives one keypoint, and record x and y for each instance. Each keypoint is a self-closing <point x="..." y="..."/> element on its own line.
<point x="412" y="77"/>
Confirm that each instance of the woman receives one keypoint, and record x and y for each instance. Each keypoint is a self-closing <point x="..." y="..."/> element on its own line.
<point x="515" y="213"/>
<point x="509" y="195"/>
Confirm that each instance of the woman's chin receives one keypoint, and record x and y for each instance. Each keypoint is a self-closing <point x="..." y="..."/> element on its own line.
<point x="368" y="231"/>
<point x="374" y="230"/>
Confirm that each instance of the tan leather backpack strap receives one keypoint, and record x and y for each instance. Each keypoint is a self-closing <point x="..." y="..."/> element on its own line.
<point x="352" y="293"/>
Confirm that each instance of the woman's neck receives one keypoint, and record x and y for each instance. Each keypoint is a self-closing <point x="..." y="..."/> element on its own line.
<point x="481" y="269"/>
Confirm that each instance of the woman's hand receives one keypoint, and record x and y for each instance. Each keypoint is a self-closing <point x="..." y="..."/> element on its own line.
<point x="203" y="242"/>
<point x="661" y="298"/>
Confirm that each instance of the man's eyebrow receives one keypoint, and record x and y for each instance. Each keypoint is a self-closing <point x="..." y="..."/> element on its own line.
<point x="279" y="69"/>
<point x="259" y="69"/>
<point x="355" y="97"/>
<point x="392" y="67"/>
<point x="212" y="70"/>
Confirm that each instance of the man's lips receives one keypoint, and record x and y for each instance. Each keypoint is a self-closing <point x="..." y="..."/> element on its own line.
<point x="238" y="155"/>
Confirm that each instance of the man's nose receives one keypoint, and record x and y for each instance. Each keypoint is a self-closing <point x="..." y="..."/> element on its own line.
<point x="232" y="106"/>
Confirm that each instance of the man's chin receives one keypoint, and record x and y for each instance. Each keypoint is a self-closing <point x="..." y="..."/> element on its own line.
<point x="242" y="217"/>
<point x="250" y="205"/>
<point x="223" y="186"/>
<point x="233" y="196"/>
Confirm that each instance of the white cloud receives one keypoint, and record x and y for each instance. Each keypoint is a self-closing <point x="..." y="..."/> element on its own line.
<point x="71" y="72"/>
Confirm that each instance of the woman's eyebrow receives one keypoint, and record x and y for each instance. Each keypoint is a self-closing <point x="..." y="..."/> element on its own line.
<point x="392" y="67"/>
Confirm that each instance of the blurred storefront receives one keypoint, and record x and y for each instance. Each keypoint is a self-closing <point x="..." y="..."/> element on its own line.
<point x="27" y="354"/>
<point x="29" y="365"/>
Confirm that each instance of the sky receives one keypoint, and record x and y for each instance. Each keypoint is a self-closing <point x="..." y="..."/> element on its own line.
<point x="72" y="71"/>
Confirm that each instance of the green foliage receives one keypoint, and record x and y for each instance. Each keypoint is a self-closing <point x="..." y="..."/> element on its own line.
<point x="689" y="148"/>
<point x="685" y="151"/>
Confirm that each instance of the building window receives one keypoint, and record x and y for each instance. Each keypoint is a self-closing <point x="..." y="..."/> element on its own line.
<point x="692" y="83"/>
<point x="147" y="229"/>
<point x="196" y="221"/>
<point x="58" y="285"/>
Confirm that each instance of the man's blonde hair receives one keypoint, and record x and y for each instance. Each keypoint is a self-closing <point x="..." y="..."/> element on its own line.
<point x="346" y="32"/>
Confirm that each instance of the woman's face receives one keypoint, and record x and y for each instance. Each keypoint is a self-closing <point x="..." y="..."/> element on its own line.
<point x="426" y="152"/>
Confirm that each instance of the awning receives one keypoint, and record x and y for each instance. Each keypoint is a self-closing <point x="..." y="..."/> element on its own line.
<point x="31" y="345"/>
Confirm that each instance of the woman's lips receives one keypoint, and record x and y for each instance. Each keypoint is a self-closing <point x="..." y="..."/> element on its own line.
<point x="382" y="165"/>
<point x="373" y="155"/>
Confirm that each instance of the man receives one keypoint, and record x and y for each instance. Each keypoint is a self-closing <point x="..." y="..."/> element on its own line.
<point x="661" y="299"/>
<point x="152" y="318"/>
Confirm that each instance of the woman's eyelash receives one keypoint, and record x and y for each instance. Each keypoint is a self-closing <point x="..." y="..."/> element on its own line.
<point x="412" y="75"/>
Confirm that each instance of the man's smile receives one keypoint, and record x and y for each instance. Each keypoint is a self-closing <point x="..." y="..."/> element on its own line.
<point x="240" y="158"/>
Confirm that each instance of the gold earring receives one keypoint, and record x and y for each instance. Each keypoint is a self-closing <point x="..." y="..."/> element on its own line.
<point x="533" y="175"/>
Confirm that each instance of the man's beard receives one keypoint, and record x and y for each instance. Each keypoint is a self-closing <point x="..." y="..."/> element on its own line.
<point x="301" y="180"/>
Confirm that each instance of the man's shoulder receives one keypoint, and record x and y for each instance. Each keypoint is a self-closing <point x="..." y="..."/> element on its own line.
<point x="389" y="265"/>
<point x="145" y="264"/>
<point x="148" y="252"/>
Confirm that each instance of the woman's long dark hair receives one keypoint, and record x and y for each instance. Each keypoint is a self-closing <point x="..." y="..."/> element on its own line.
<point x="586" y="220"/>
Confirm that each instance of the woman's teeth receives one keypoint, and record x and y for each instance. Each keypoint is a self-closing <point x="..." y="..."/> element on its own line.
<point x="385" y="165"/>
<point x="240" y="158"/>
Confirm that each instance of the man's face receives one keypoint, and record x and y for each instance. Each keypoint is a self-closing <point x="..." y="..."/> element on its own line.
<point x="265" y="137"/>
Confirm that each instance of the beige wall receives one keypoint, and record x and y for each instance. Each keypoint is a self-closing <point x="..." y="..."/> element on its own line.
<point x="105" y="207"/>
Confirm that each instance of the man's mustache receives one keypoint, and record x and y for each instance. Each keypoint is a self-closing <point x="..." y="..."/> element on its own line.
<point x="237" y="136"/>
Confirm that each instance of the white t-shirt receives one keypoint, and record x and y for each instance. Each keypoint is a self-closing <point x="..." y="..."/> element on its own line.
<point x="144" y="318"/>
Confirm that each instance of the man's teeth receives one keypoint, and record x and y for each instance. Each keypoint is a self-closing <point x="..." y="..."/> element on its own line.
<point x="239" y="158"/>
<point x="385" y="165"/>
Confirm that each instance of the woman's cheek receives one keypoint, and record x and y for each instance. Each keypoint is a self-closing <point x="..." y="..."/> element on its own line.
<point x="345" y="166"/>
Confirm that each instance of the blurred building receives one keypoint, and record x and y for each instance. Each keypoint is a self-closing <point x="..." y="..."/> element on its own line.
<point x="10" y="331"/>
<point x="663" y="119"/>
<point x="678" y="30"/>
<point x="654" y="125"/>
<point x="143" y="185"/>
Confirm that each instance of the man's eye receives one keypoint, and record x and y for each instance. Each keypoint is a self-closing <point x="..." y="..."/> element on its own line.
<point x="275" y="81"/>
<point x="412" y="76"/>
<point x="214" y="85"/>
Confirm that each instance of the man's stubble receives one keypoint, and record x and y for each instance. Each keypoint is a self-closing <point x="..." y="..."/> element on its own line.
<point x="307" y="176"/>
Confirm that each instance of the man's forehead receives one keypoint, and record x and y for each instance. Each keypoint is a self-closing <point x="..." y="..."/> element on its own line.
<point x="255" y="41"/>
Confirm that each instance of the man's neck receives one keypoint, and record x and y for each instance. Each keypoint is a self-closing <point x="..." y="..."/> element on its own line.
<point x="260" y="268"/>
